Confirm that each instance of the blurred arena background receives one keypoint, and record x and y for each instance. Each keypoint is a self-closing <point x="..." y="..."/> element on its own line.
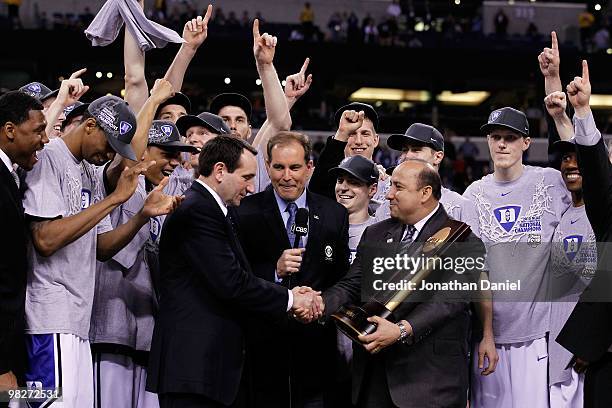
<point x="447" y="63"/>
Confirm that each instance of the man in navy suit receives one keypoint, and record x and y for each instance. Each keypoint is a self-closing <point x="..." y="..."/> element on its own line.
<point x="293" y="366"/>
<point x="207" y="289"/>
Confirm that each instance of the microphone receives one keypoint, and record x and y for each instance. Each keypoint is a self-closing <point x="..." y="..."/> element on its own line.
<point x="300" y="227"/>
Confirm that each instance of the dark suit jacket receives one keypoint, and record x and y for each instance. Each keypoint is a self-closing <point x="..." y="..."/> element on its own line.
<point x="433" y="370"/>
<point x="207" y="293"/>
<point x="307" y="351"/>
<point x="588" y="331"/>
<point x="331" y="156"/>
<point x="13" y="267"/>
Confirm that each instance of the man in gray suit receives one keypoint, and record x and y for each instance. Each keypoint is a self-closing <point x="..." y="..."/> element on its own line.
<point x="422" y="360"/>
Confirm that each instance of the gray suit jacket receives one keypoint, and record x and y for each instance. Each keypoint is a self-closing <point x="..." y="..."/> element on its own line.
<point x="433" y="370"/>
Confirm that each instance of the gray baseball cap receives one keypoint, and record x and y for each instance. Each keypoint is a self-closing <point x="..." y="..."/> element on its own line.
<point x="38" y="91"/>
<point x="359" y="167"/>
<point x="165" y="135"/>
<point x="419" y="133"/>
<point x="118" y="122"/>
<point x="509" y="118"/>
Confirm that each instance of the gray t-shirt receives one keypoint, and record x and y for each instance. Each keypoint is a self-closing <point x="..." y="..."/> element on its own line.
<point x="125" y="302"/>
<point x="355" y="232"/>
<point x="60" y="288"/>
<point x="516" y="221"/>
<point x="572" y="265"/>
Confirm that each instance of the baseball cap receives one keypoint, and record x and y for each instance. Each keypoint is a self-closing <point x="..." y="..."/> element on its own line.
<point x="118" y="122"/>
<point x="231" y="99"/>
<point x="562" y="146"/>
<point x="509" y="118"/>
<point x="211" y="122"/>
<point x="368" y="110"/>
<point x="359" y="167"/>
<point x="38" y="91"/>
<point x="419" y="132"/>
<point x="178" y="99"/>
<point x="164" y="134"/>
<point x="74" y="110"/>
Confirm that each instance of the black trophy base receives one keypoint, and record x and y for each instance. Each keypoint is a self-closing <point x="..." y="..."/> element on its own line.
<point x="353" y="320"/>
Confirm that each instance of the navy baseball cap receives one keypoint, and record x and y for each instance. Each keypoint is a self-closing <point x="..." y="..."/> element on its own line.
<point x="509" y="118"/>
<point x="562" y="146"/>
<point x="211" y="122"/>
<point x="178" y="99"/>
<point x="118" y="122"/>
<point x="368" y="110"/>
<point x="362" y="169"/>
<point x="38" y="91"/>
<point x="164" y="134"/>
<point x="74" y="110"/>
<point x="231" y="99"/>
<point x="419" y="133"/>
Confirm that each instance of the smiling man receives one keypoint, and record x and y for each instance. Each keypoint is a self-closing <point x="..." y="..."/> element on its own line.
<point x="22" y="134"/>
<point x="519" y="205"/>
<point x="125" y="300"/>
<point x="304" y="374"/>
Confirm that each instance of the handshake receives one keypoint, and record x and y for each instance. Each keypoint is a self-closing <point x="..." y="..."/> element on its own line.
<point x="308" y="304"/>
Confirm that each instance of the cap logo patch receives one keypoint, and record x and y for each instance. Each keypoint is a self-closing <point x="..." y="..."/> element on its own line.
<point x="494" y="116"/>
<point x="34" y="88"/>
<point x="167" y="129"/>
<point x="69" y="109"/>
<point x="124" y="127"/>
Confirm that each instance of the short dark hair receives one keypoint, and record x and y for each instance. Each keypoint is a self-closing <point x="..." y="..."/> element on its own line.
<point x="285" y="137"/>
<point x="15" y="107"/>
<point x="224" y="149"/>
<point x="428" y="176"/>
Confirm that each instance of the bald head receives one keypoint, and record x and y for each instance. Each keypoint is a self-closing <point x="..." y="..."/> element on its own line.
<point x="415" y="191"/>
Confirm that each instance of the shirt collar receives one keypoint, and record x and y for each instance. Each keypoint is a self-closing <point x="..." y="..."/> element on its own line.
<point x="216" y="196"/>
<point x="282" y="204"/>
<point x="7" y="161"/>
<point x="419" y="225"/>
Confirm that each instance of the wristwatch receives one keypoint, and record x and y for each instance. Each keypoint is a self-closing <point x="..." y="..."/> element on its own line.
<point x="404" y="337"/>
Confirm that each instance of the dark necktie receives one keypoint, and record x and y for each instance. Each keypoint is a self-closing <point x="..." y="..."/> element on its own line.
<point x="407" y="238"/>
<point x="292" y="210"/>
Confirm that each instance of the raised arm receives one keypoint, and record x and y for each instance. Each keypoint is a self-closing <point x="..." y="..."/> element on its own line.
<point x="592" y="156"/>
<point x="70" y="91"/>
<point x="194" y="34"/>
<point x="136" y="88"/>
<point x="549" y="61"/>
<point x="161" y="91"/>
<point x="556" y="106"/>
<point x="296" y="85"/>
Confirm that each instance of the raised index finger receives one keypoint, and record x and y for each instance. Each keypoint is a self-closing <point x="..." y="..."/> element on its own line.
<point x="555" y="43"/>
<point x="78" y="73"/>
<point x="585" y="71"/>
<point x="208" y="14"/>
<point x="256" y="28"/>
<point x="305" y="66"/>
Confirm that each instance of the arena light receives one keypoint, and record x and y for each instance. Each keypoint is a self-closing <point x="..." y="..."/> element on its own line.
<point x="284" y="83"/>
<point x="598" y="7"/>
<point x="389" y="94"/>
<point x="109" y="75"/>
<point x="601" y="101"/>
<point x="470" y="98"/>
<point x="227" y="80"/>
<point x="457" y="2"/>
<point x="258" y="82"/>
<point x="98" y="75"/>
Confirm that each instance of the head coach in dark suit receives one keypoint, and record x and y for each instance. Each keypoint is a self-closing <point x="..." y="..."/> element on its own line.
<point x="422" y="360"/>
<point x="295" y="364"/>
<point x="207" y="291"/>
<point x="22" y="133"/>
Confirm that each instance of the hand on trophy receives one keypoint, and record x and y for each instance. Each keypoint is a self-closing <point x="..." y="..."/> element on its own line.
<point x="307" y="304"/>
<point x="386" y="334"/>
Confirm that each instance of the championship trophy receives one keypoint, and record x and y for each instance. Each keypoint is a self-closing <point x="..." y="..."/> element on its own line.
<point x="352" y="320"/>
